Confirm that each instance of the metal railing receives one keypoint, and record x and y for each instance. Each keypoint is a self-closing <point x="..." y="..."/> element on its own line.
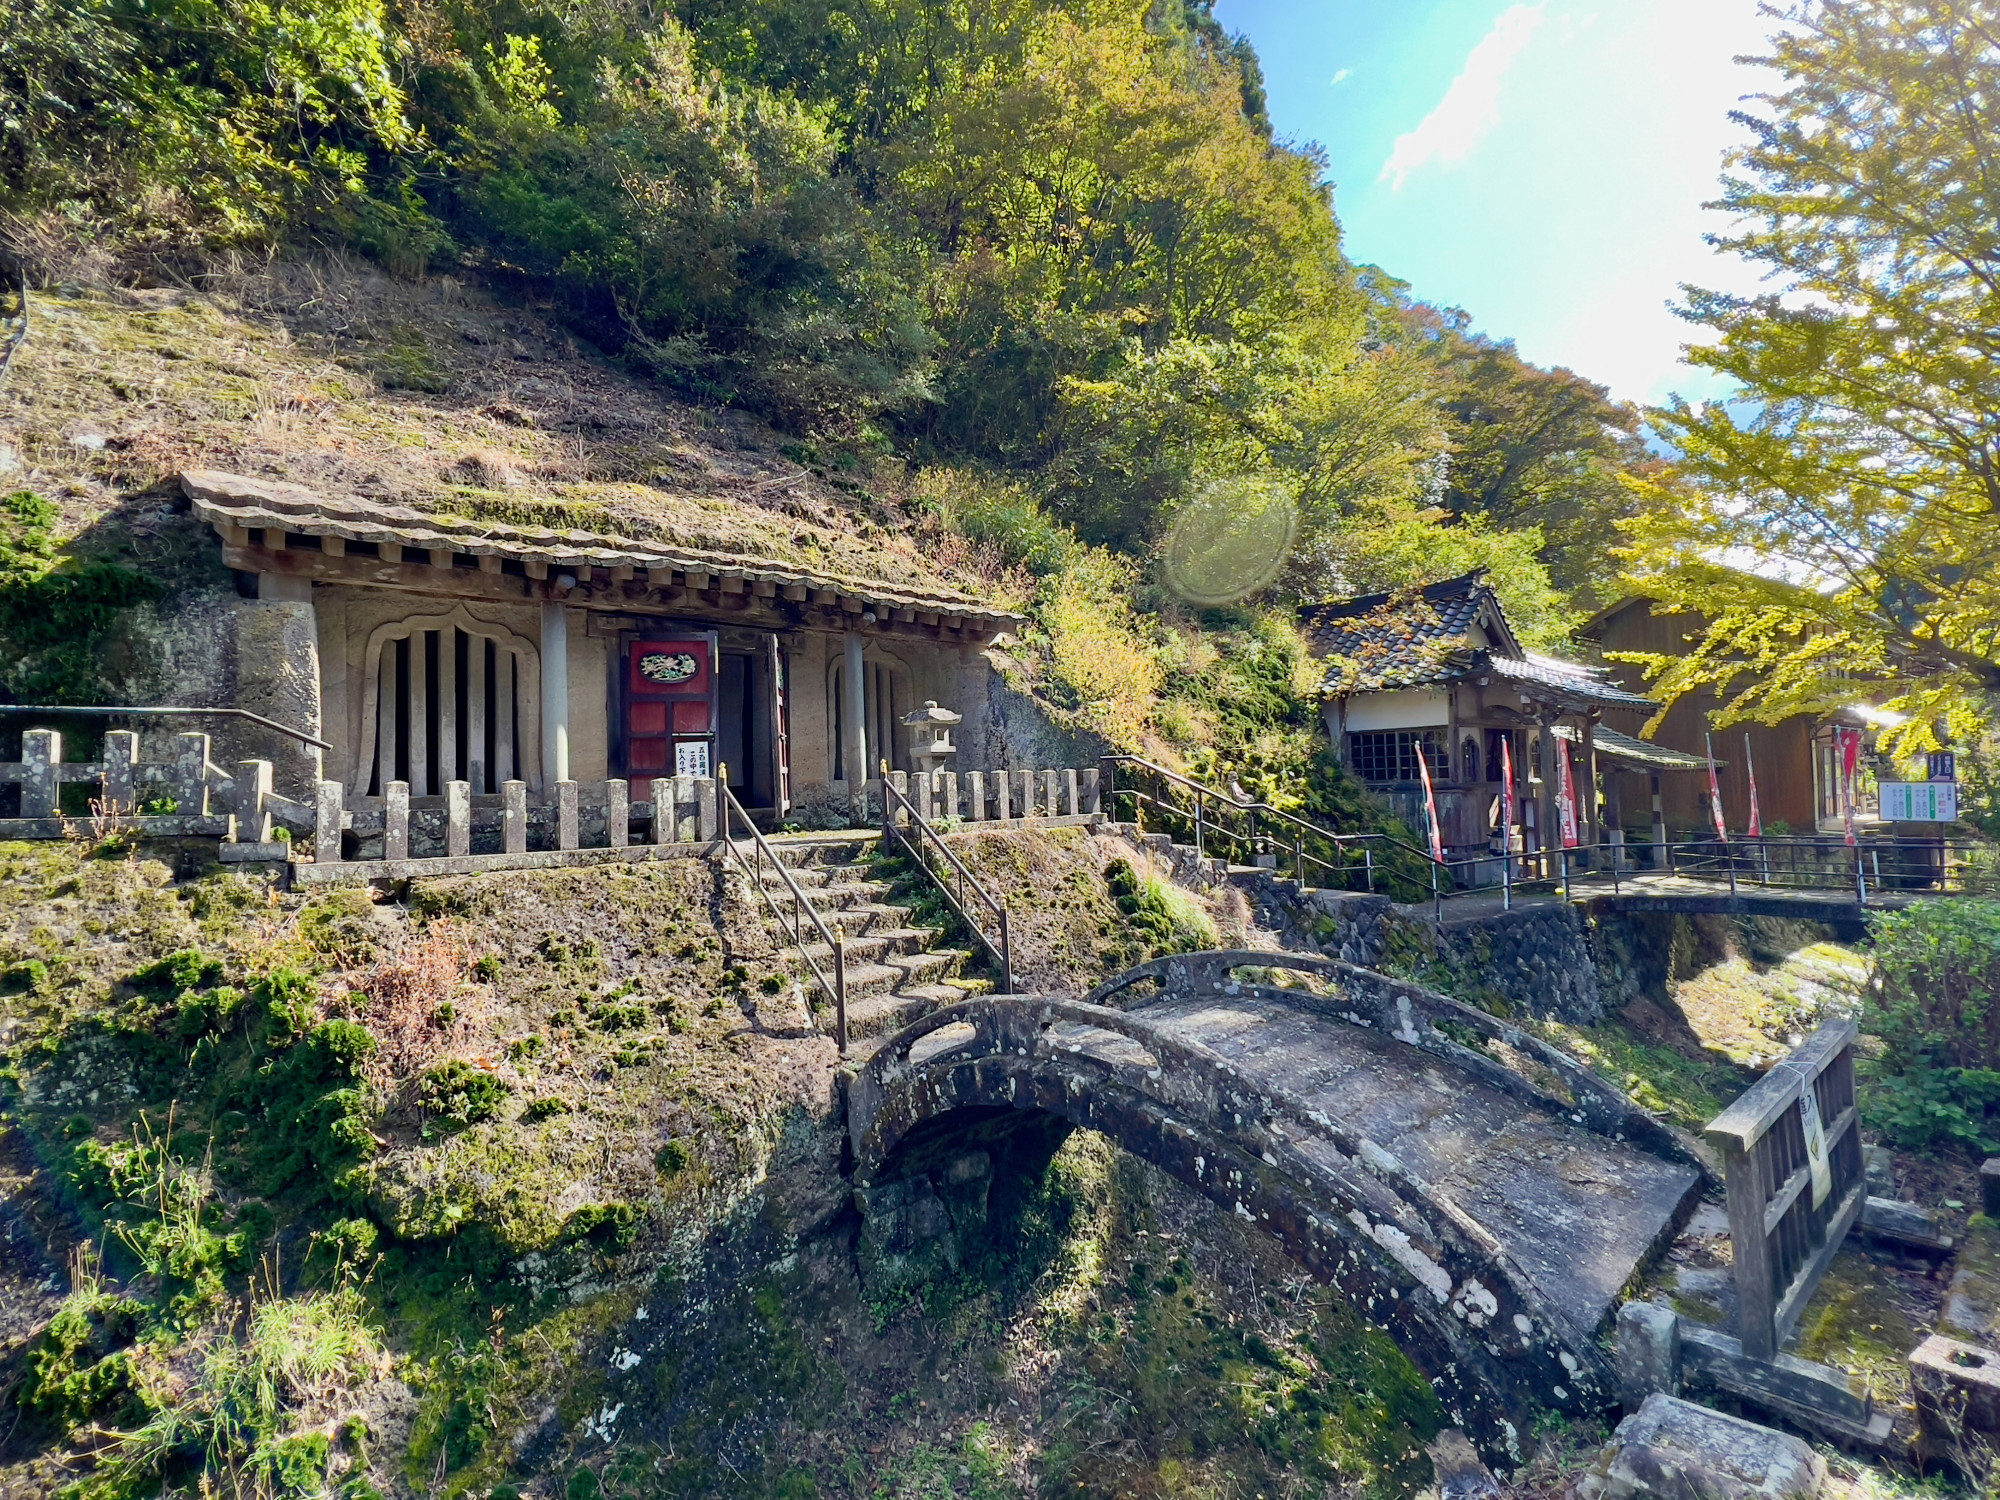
<point x="802" y="913"/>
<point x="1247" y="831"/>
<point x="962" y="884"/>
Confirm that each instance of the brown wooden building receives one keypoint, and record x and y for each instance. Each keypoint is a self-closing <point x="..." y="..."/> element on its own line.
<point x="1791" y="778"/>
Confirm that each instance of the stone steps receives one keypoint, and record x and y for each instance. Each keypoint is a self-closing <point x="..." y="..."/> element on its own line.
<point x="894" y="974"/>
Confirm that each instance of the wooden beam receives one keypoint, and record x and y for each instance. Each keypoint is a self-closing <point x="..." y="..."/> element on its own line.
<point x="490" y="562"/>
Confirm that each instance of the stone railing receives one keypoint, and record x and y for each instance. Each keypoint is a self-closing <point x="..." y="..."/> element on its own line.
<point x="1003" y="796"/>
<point x="182" y="796"/>
<point x="395" y="835"/>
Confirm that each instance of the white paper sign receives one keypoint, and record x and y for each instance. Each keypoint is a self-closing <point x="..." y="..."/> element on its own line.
<point x="1919" y="801"/>
<point x="691" y="758"/>
<point x="1816" y="1162"/>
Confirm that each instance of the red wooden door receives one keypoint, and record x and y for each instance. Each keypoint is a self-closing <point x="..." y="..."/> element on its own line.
<point x="670" y="708"/>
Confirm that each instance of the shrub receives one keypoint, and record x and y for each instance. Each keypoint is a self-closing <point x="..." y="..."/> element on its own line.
<point x="1168" y="917"/>
<point x="1935" y="1004"/>
<point x="457" y="1091"/>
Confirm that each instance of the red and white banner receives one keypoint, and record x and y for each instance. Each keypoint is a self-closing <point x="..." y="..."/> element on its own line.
<point x="1750" y="770"/>
<point x="1430" y="804"/>
<point x="1715" y="791"/>
<point x="1566" y="800"/>
<point x="1850" y="762"/>
<point x="1507" y="795"/>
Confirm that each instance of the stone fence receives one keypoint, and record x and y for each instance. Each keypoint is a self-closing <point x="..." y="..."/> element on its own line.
<point x="396" y="835"/>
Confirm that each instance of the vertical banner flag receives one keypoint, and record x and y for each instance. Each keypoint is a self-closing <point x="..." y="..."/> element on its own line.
<point x="1507" y="797"/>
<point x="1566" y="800"/>
<point x="1850" y="761"/>
<point x="1430" y="805"/>
<point x="1750" y="769"/>
<point x="1715" y="791"/>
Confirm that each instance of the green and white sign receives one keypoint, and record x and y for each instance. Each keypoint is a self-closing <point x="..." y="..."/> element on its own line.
<point x="1919" y="801"/>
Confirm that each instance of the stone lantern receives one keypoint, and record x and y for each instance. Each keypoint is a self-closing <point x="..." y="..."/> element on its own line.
<point x="930" y="729"/>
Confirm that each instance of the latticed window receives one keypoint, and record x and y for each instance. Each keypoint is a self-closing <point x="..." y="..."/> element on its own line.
<point x="1391" y="755"/>
<point x="448" y="698"/>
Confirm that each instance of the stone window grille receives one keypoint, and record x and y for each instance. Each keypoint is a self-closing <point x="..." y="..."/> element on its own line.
<point x="448" y="698"/>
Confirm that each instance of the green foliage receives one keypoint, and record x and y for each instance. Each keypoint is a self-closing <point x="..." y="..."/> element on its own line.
<point x="1855" y="454"/>
<point x="461" y="1094"/>
<point x="237" y="1423"/>
<point x="164" y="1211"/>
<point x="57" y="613"/>
<point x="80" y="1369"/>
<point x="1167" y="917"/>
<point x="1935" y="1005"/>
<point x="205" y="120"/>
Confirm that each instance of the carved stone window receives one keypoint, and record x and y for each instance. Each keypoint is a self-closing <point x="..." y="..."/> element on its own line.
<point x="448" y="697"/>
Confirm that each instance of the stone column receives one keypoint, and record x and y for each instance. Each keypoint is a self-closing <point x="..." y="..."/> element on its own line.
<point x="278" y="676"/>
<point x="555" y="693"/>
<point x="854" y="724"/>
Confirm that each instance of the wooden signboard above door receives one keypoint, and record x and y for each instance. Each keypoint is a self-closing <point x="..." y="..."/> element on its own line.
<point x="670" y="707"/>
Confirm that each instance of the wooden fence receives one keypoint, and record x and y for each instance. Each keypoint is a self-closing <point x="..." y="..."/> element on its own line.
<point x="1791" y="1152"/>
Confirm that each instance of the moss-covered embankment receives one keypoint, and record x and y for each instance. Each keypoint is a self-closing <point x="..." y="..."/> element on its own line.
<point x="533" y="1181"/>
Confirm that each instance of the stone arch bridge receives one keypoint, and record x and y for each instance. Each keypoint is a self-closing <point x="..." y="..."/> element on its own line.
<point x="1477" y="1192"/>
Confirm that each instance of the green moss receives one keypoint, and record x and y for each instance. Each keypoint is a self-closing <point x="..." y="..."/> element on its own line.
<point x="460" y="1094"/>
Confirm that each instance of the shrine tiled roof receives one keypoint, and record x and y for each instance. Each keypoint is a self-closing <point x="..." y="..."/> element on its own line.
<point x="1440" y="634"/>
<point x="1415" y="638"/>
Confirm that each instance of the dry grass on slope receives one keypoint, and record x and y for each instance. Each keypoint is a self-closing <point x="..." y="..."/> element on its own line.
<point x="436" y="394"/>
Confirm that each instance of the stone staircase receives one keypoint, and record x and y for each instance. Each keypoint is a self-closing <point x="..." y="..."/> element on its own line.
<point x="896" y="972"/>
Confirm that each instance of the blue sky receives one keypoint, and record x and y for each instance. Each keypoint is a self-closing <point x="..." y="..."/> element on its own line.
<point x="1541" y="165"/>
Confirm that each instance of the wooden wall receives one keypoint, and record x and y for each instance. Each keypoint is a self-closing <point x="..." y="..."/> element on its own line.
<point x="1783" y="752"/>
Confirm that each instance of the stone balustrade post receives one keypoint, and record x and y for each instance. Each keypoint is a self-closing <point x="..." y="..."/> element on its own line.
<point x="707" y="802"/>
<point x="329" y="798"/>
<point x="950" y="780"/>
<point x="41" y="762"/>
<point x="457" y="818"/>
<point x="190" y="775"/>
<point x="396" y="820"/>
<point x="514" y="817"/>
<point x="250" y="800"/>
<point x="617" y="813"/>
<point x="1025" y="790"/>
<point x="1002" y="787"/>
<point x="1070" y="805"/>
<point x="975" y="787"/>
<point x="922" y="800"/>
<point x="565" y="814"/>
<point x="666" y="820"/>
<point x="121" y="757"/>
<point x="1093" y="791"/>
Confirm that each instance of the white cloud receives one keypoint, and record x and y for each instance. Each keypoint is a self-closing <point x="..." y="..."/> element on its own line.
<point x="1342" y="76"/>
<point x="1471" y="106"/>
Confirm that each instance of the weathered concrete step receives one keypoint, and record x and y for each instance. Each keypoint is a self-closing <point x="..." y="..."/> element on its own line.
<point x="878" y="947"/>
<point x="814" y="877"/>
<point x="872" y="1017"/>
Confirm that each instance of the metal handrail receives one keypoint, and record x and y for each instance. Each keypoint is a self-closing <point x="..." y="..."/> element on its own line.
<point x="162" y="711"/>
<point x="802" y="907"/>
<point x="1003" y="950"/>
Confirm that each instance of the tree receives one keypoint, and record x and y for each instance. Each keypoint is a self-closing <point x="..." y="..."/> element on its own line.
<point x="1536" y="447"/>
<point x="1838" y="524"/>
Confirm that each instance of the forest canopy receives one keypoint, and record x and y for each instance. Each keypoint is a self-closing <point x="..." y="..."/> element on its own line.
<point x="1054" y="244"/>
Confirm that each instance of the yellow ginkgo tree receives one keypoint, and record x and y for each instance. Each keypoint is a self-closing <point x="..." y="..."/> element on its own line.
<point x="1836" y="525"/>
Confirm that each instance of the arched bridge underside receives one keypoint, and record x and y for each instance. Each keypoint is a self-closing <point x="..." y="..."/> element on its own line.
<point x="1477" y="1192"/>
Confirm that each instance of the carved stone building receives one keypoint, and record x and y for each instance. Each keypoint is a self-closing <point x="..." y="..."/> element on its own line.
<point x="427" y="648"/>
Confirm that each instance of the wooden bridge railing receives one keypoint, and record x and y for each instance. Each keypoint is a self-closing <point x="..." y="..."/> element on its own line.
<point x="1791" y="1151"/>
